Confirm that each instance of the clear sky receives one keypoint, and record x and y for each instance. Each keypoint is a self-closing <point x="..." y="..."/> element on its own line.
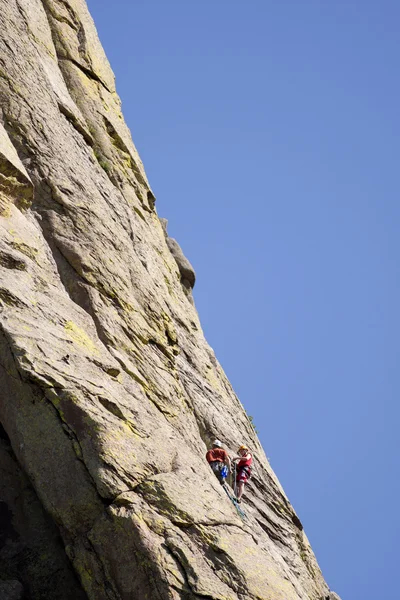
<point x="270" y="132"/>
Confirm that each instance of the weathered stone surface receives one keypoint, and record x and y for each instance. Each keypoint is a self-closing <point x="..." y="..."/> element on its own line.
<point x="11" y="590"/>
<point x="15" y="184"/>
<point x="187" y="274"/>
<point x="109" y="392"/>
<point x="32" y="556"/>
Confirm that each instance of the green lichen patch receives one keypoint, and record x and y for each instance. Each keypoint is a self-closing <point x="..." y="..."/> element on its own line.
<point x="9" y="262"/>
<point x="19" y="245"/>
<point x="102" y="160"/>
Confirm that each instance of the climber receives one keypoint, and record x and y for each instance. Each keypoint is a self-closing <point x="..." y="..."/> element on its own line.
<point x="219" y="461"/>
<point x="243" y="470"/>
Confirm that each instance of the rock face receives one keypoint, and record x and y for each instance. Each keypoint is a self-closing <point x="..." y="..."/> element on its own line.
<point x="32" y="556"/>
<point x="11" y="590"/>
<point x="187" y="274"/>
<point x="109" y="393"/>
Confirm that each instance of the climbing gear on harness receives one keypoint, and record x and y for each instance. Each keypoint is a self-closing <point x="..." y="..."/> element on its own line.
<point x="242" y="470"/>
<point x="244" y="463"/>
<point x="217" y="443"/>
<point x="219" y="469"/>
<point x="224" y="472"/>
<point x="246" y="469"/>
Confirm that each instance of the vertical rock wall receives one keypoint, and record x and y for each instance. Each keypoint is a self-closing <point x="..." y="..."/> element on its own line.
<point x="32" y="557"/>
<point x="109" y="392"/>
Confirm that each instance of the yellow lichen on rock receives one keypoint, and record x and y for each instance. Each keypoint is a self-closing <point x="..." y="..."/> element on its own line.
<point x="80" y="337"/>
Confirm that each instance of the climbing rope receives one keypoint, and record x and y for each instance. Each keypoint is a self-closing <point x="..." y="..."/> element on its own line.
<point x="240" y="512"/>
<point x="234" y="480"/>
<point x="233" y="498"/>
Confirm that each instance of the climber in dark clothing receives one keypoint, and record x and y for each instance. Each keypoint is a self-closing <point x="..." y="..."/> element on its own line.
<point x="217" y="458"/>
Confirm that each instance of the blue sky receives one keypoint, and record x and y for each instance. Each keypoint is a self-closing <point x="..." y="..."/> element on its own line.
<point x="270" y="133"/>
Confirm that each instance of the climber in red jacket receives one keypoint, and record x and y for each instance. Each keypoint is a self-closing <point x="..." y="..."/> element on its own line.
<point x="217" y="457"/>
<point x="243" y="469"/>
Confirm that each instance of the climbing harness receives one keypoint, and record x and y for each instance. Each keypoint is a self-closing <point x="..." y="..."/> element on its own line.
<point x="247" y="470"/>
<point x="220" y="470"/>
<point x="243" y="472"/>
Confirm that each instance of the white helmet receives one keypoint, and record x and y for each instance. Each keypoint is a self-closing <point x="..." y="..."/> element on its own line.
<point x="217" y="443"/>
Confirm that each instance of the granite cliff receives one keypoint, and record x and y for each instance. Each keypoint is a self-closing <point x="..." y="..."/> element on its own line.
<point x="109" y="393"/>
